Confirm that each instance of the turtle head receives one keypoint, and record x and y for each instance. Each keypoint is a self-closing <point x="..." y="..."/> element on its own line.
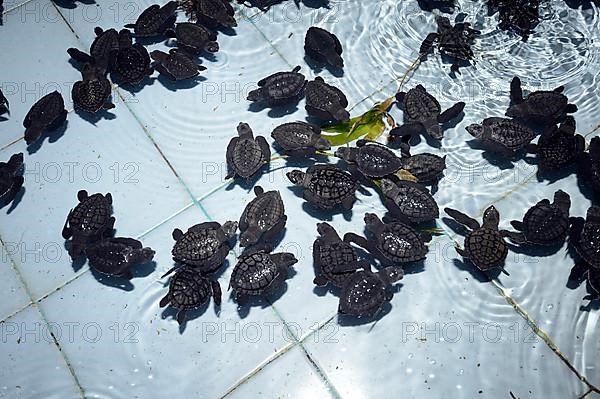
<point x="392" y="274"/>
<point x="475" y="130"/>
<point x="212" y="47"/>
<point x="341" y="114"/>
<point x="296" y="176"/>
<point x="249" y="237"/>
<point x="325" y="229"/>
<point x="244" y="130"/>
<point x="229" y="228"/>
<point x="348" y="154"/>
<point x="593" y="214"/>
<point x="562" y="200"/>
<point x="158" y="55"/>
<point x="372" y="221"/>
<point x="144" y="255"/>
<point x="255" y="95"/>
<point x="16" y="161"/>
<point x="387" y="187"/>
<point x="491" y="217"/>
<point x="320" y="143"/>
<point x="284" y="259"/>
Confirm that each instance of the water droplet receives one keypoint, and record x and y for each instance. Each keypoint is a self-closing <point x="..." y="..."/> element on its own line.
<point x="411" y="355"/>
<point x="409" y="370"/>
<point x="461" y="371"/>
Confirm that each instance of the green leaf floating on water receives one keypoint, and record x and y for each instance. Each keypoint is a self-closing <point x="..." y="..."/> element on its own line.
<point x="369" y="125"/>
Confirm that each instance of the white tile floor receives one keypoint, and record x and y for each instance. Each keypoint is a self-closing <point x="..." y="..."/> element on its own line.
<point x="67" y="332"/>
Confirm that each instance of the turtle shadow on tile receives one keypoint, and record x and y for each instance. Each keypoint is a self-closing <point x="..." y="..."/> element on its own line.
<point x="96" y="117"/>
<point x="15" y="201"/>
<point x="352" y="321"/>
<point x="322" y="214"/>
<point x="535" y="251"/>
<point x="138" y="271"/>
<point x="174" y="85"/>
<point x="133" y="89"/>
<point x="477" y="274"/>
<point x="70" y="4"/>
<point x="415" y="140"/>
<point x="190" y="315"/>
<point x="246" y="184"/>
<point x="52" y="136"/>
<point x="444" y="6"/>
<point x="501" y="161"/>
<point x="262" y="302"/>
<point x="278" y="111"/>
<point x="318" y="67"/>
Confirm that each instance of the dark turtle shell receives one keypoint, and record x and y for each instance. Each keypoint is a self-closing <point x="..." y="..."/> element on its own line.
<point x="105" y="43"/>
<point x="409" y="200"/>
<point x="325" y="101"/>
<point x="323" y="46"/>
<point x="246" y="154"/>
<point x="372" y="159"/>
<point x="279" y="88"/>
<point x="91" y="218"/>
<point x="263" y="217"/>
<point x="588" y="241"/>
<point x="195" y="38"/>
<point x="425" y="167"/>
<point x="300" y="138"/>
<point x="421" y="106"/>
<point x="589" y="166"/>
<point x="11" y="180"/>
<point x="4" y="106"/>
<point x="47" y="113"/>
<point x="486" y="248"/>
<point x="325" y="186"/>
<point x="189" y="289"/>
<point x="132" y="62"/>
<point x="176" y="65"/>
<point x="545" y="223"/>
<point x="199" y="244"/>
<point x="559" y="148"/>
<point x="93" y="92"/>
<point x="260" y="273"/>
<point x="365" y="292"/>
<point x="212" y="13"/>
<point x="155" y="20"/>
<point x="114" y="256"/>
<point x="502" y="134"/>
<point x="400" y="243"/>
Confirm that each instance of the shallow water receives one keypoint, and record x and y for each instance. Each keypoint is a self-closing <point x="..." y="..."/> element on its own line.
<point x="448" y="329"/>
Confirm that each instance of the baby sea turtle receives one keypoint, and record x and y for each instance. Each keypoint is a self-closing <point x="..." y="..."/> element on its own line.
<point x="453" y="41"/>
<point x="11" y="179"/>
<point x="115" y="256"/>
<point x="93" y="92"/>
<point x="90" y="219"/>
<point x="263" y="218"/>
<point x="204" y="246"/>
<point x="331" y="254"/>
<point x="393" y="243"/>
<point x="372" y="159"/>
<point x="409" y="201"/>
<point x="325" y="101"/>
<point x="260" y="273"/>
<point x="131" y="63"/>
<point x="558" y="147"/>
<point x="518" y="16"/>
<point x="300" y="138"/>
<point x="426" y="167"/>
<point x="589" y="166"/>
<point x="325" y="186"/>
<point x="47" y="113"/>
<point x="189" y="289"/>
<point x="176" y="65"/>
<point x="247" y="154"/>
<point x="279" y="88"/>
<point x="155" y="20"/>
<point x="365" y="292"/>
<point x="263" y="5"/>
<point x="194" y="38"/>
<point x="211" y="13"/>
<point x="484" y="244"/>
<point x="541" y="107"/>
<point x="584" y="236"/>
<point x="502" y="135"/>
<point x="323" y="46"/>
<point x="545" y="223"/>
<point x="102" y="49"/>
<point x="4" y="106"/>
<point x="423" y="113"/>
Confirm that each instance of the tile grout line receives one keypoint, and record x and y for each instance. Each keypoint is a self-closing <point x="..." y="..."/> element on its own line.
<point x="44" y="319"/>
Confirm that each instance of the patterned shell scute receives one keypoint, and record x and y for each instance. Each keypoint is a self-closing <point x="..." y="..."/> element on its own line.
<point x="557" y="151"/>
<point x="108" y="257"/>
<point x="91" y="215"/>
<point x="188" y="289"/>
<point x="330" y="184"/>
<point x="547" y="103"/>
<point x="254" y="273"/>
<point x="510" y="134"/>
<point x="132" y="63"/>
<point x="265" y="211"/>
<point x="91" y="94"/>
<point x="320" y="95"/>
<point x="545" y="223"/>
<point x="284" y="84"/>
<point x="589" y="244"/>
<point x="486" y="248"/>
<point x="247" y="157"/>
<point x="362" y="294"/>
<point x="377" y="161"/>
<point x="416" y="204"/>
<point x="333" y="255"/>
<point x="420" y="105"/>
<point x="401" y="243"/>
<point x="196" y="247"/>
<point x="292" y="135"/>
<point x="425" y="167"/>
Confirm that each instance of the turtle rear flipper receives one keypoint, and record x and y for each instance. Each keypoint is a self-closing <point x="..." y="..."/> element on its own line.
<point x="428" y="43"/>
<point x="320" y="281"/>
<point x="216" y="291"/>
<point x="517" y="224"/>
<point x="408" y="129"/>
<point x="517" y="238"/>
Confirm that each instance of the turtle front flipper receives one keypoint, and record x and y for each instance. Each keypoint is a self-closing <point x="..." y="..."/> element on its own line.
<point x="451" y="112"/>
<point x="428" y="43"/>
<point x="66" y="231"/>
<point x="517" y="238"/>
<point x="80" y="56"/>
<point x="356" y="239"/>
<point x="408" y="129"/>
<point x="320" y="281"/>
<point x="516" y="92"/>
<point x="462" y="218"/>
<point x="216" y="291"/>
